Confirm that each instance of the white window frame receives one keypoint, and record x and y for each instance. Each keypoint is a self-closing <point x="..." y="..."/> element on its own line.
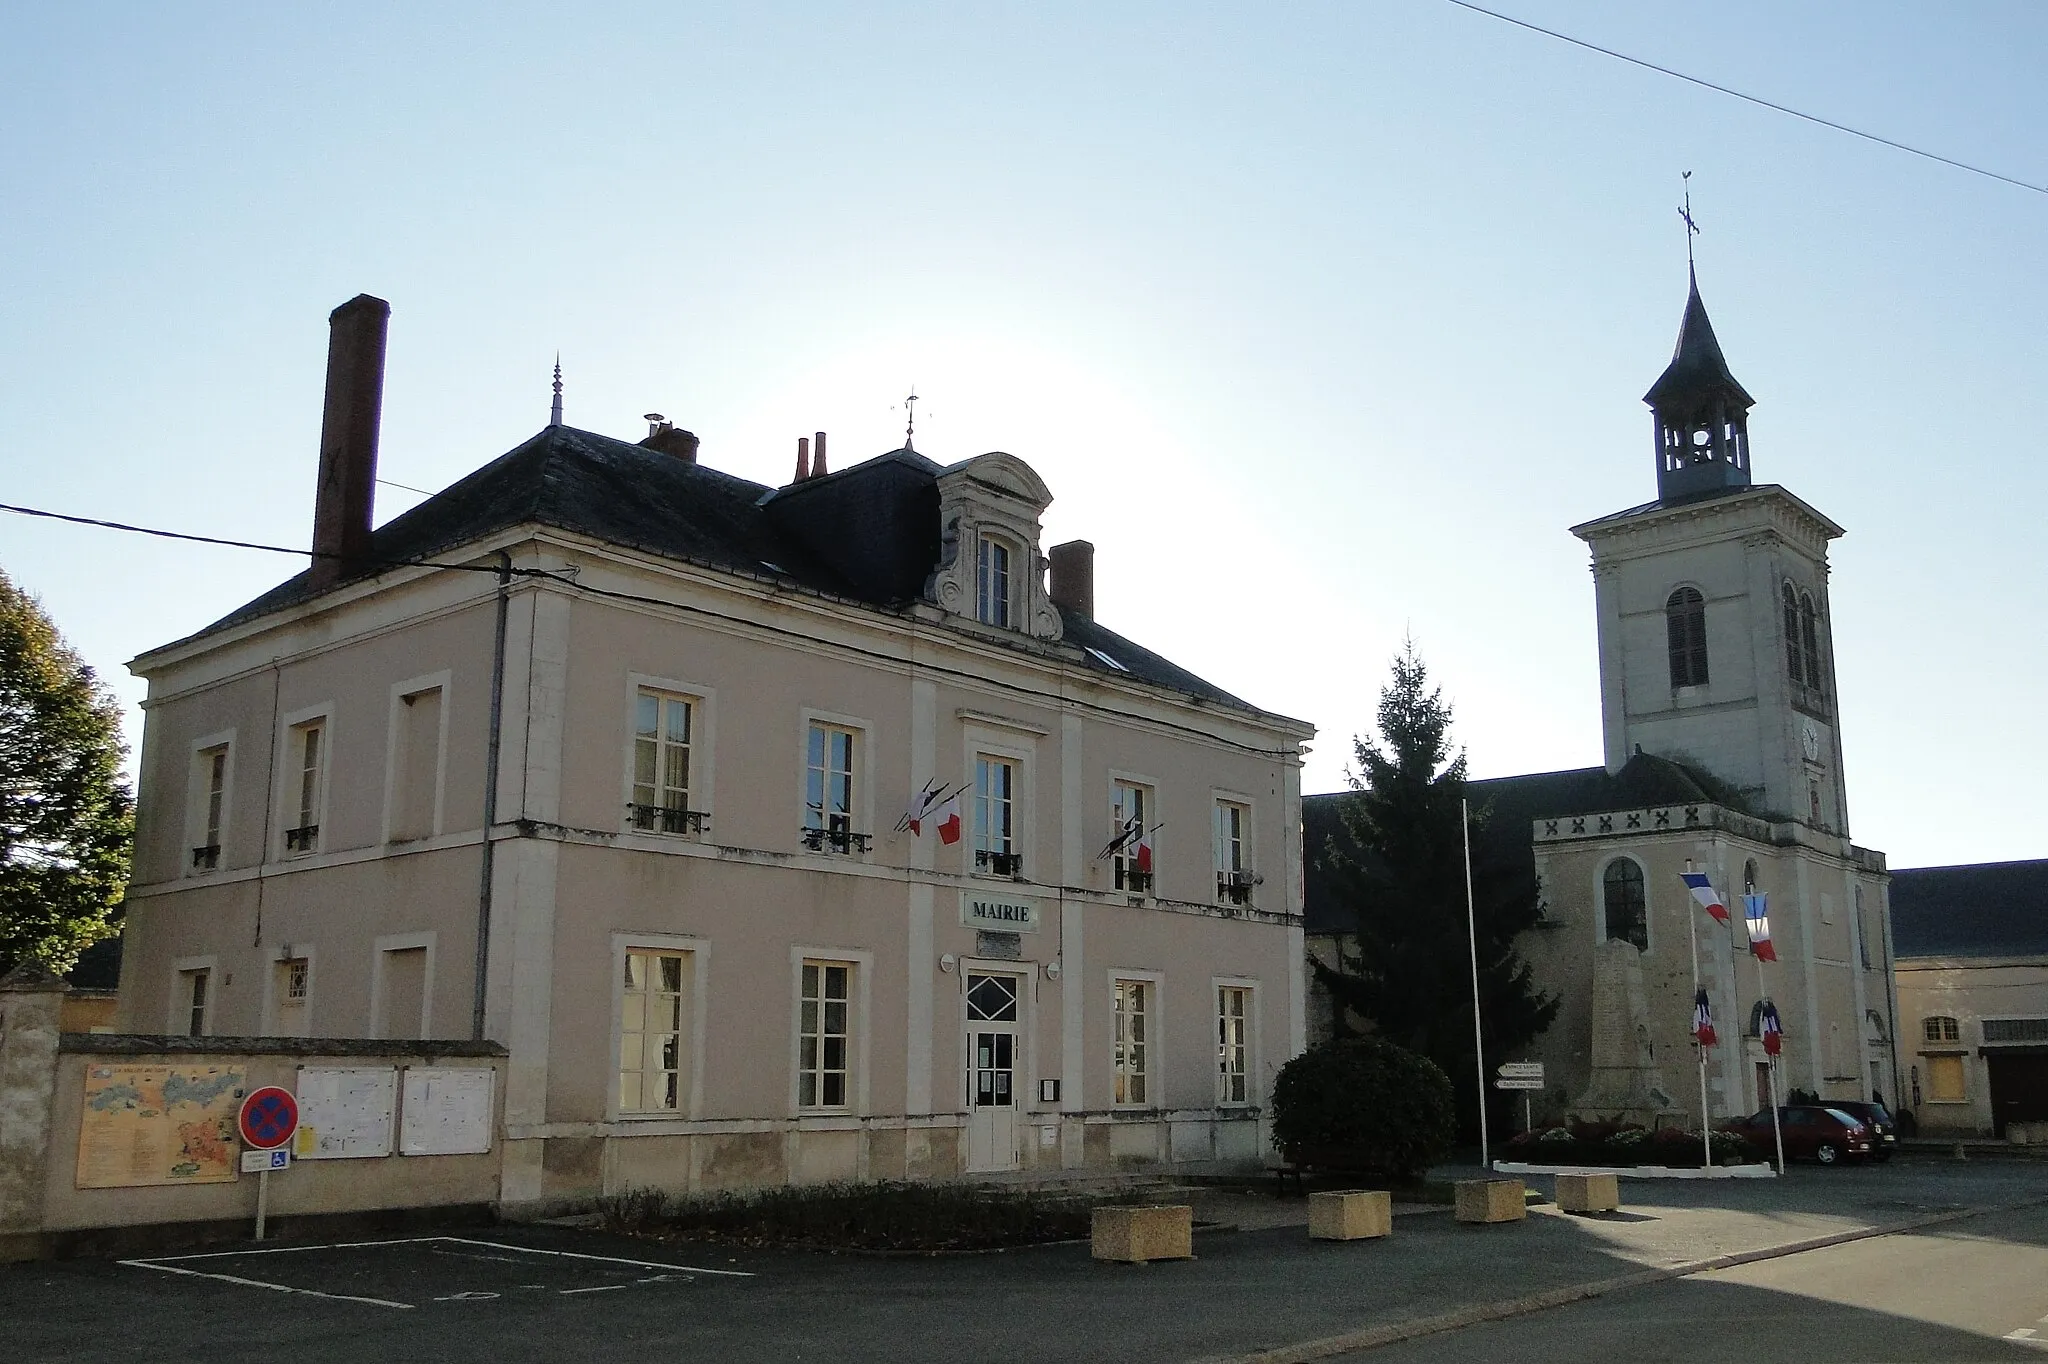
<point x="1012" y="578"/>
<point x="698" y="950"/>
<point x="1148" y="799"/>
<point x="402" y="942"/>
<point x="859" y="818"/>
<point x="703" y="750"/>
<point x="179" y="1018"/>
<point x="291" y="951"/>
<point x="860" y="991"/>
<point x="441" y="682"/>
<point x="1250" y="986"/>
<point x="199" y="796"/>
<point x="1154" y="1070"/>
<point x="1247" y="838"/>
<point x="290" y="764"/>
<point x="980" y="739"/>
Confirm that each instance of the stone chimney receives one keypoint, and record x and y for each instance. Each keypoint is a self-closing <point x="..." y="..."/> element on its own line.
<point x="1073" y="577"/>
<point x="354" y="410"/>
<point x="670" y="439"/>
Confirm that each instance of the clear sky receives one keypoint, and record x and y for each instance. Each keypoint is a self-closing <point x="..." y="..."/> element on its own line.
<point x="1323" y="322"/>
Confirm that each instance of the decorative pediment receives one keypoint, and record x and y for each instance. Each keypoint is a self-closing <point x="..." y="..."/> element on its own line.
<point x="991" y="504"/>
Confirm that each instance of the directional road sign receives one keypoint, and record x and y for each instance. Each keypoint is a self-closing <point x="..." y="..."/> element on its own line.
<point x="1515" y="1082"/>
<point x="269" y="1117"/>
<point x="1521" y="1070"/>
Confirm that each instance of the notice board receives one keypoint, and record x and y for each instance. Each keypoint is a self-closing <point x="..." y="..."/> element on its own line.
<point x="345" y="1112"/>
<point x="447" y="1111"/>
<point x="148" y="1125"/>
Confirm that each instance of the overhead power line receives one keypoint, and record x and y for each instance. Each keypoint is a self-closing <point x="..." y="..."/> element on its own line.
<point x="1747" y="98"/>
<point x="238" y="544"/>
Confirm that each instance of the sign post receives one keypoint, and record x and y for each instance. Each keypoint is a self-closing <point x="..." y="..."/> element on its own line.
<point x="268" y="1118"/>
<point x="1526" y="1076"/>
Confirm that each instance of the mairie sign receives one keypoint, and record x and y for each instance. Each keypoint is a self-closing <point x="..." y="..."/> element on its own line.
<point x="998" y="913"/>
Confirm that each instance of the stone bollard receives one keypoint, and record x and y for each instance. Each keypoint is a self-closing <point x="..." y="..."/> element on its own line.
<point x="1136" y="1235"/>
<point x="1588" y="1193"/>
<point x="1491" y="1200"/>
<point x="1352" y="1215"/>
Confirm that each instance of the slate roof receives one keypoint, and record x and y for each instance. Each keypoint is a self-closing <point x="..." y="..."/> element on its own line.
<point x="1512" y="805"/>
<point x="1697" y="366"/>
<point x="867" y="534"/>
<point x="1986" y="909"/>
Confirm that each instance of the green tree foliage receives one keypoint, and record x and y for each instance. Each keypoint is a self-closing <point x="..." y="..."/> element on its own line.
<point x="1400" y="871"/>
<point x="66" y="815"/>
<point x="1378" y="1104"/>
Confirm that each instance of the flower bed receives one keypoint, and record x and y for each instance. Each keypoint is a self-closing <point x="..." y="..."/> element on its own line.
<point x="1621" y="1146"/>
<point x="914" y="1219"/>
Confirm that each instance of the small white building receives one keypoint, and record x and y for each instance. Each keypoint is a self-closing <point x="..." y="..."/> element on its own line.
<point x="603" y="754"/>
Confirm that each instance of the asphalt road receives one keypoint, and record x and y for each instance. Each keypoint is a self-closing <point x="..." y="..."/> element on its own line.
<point x="1941" y="1292"/>
<point x="1960" y="1291"/>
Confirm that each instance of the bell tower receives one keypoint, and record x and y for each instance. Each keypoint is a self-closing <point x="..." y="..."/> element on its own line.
<point x="1700" y="412"/>
<point x="1716" y="647"/>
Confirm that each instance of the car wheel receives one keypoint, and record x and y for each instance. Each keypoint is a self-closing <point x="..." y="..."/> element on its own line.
<point x="1826" y="1153"/>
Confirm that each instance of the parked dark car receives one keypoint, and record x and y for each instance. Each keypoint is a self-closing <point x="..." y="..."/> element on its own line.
<point x="1884" y="1129"/>
<point x="1819" y="1132"/>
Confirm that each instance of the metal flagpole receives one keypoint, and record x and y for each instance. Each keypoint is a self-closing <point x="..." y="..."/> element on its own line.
<point x="1770" y="1071"/>
<point x="1706" y="1120"/>
<point x="1478" y="1040"/>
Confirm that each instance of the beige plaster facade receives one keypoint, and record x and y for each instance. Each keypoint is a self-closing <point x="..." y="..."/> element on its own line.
<point x="1976" y="1043"/>
<point x="339" y="896"/>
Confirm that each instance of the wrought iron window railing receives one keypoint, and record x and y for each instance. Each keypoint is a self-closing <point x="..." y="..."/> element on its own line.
<point x="206" y="858"/>
<point x="999" y="863"/>
<point x="305" y="838"/>
<point x="665" y="819"/>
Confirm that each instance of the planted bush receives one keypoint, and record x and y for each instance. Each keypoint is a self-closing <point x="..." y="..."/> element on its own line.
<point x="894" y="1217"/>
<point x="1365" y="1103"/>
<point x="1606" y="1143"/>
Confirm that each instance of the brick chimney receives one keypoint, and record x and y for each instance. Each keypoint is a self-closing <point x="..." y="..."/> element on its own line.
<point x="818" y="455"/>
<point x="665" y="436"/>
<point x="1073" y="577"/>
<point x="803" y="459"/>
<point x="343" y="502"/>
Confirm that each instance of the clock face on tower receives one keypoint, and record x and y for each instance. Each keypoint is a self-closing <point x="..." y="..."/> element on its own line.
<point x="1809" y="740"/>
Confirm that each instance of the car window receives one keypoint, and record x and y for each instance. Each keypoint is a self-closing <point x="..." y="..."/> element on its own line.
<point x="1797" y="1117"/>
<point x="1843" y="1118"/>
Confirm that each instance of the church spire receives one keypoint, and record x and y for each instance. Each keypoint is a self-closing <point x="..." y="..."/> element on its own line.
<point x="555" y="410"/>
<point x="1701" y="412"/>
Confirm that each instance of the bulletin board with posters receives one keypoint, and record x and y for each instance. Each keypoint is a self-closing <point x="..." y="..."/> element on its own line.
<point x="345" y="1112"/>
<point x="447" y="1111"/>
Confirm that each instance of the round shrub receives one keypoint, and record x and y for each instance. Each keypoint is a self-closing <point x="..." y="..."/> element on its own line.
<point x="1367" y="1103"/>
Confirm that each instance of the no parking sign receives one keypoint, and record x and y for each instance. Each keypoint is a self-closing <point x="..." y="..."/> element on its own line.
<point x="269" y="1117"/>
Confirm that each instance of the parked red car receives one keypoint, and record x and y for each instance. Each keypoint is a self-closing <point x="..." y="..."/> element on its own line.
<point x="1812" y="1132"/>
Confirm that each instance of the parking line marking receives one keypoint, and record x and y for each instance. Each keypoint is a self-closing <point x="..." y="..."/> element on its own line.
<point x="273" y="1287"/>
<point x="293" y="1250"/>
<point x="601" y="1288"/>
<point x="608" y="1259"/>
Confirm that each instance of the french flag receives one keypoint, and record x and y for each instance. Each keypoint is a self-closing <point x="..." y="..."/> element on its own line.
<point x="1772" y="1030"/>
<point x="948" y="817"/>
<point x="1703" y="891"/>
<point x="1754" y="909"/>
<point x="1703" y="1020"/>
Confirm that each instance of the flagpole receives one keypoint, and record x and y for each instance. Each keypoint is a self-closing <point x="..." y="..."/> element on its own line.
<point x="1706" y="1119"/>
<point x="1478" y="1039"/>
<point x="1771" y="1072"/>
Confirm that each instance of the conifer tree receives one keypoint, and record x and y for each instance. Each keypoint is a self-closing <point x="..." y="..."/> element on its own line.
<point x="1399" y="869"/>
<point x="66" y="815"/>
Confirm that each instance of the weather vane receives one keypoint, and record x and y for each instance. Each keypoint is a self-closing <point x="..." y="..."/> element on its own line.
<point x="1692" y="229"/>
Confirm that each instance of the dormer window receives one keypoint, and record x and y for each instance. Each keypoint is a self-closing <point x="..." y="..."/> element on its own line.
<point x="992" y="581"/>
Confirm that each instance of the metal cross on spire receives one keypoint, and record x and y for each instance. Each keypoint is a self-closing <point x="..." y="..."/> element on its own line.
<point x="1692" y="229"/>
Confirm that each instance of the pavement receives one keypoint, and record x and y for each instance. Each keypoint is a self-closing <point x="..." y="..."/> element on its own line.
<point x="1941" y="1260"/>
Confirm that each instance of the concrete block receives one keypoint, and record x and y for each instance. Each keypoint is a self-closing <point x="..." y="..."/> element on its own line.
<point x="1135" y="1235"/>
<point x="1351" y="1215"/>
<point x="1491" y="1200"/>
<point x="1588" y="1193"/>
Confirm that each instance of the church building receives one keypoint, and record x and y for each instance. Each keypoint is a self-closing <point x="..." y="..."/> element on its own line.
<point x="1723" y="756"/>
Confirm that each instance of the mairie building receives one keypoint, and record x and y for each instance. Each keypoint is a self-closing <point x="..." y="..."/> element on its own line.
<point x="606" y="755"/>
<point x="1719" y="702"/>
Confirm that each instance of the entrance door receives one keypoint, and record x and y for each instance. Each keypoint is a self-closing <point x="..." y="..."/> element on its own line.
<point x="992" y="1127"/>
<point x="2019" y="1088"/>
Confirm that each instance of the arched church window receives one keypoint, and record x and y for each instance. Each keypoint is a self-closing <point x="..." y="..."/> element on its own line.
<point x="1795" y="656"/>
<point x="1809" y="637"/>
<point x="1685" y="625"/>
<point x="1622" y="906"/>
